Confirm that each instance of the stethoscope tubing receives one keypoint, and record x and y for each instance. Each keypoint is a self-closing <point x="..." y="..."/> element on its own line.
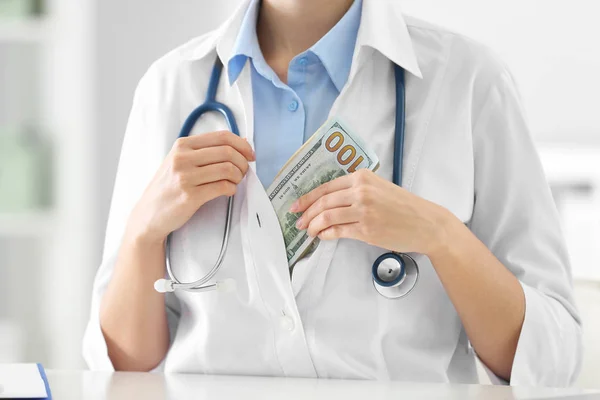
<point x="409" y="268"/>
<point x="210" y="105"/>
<point x="391" y="291"/>
<point x="199" y="285"/>
<point x="400" y="125"/>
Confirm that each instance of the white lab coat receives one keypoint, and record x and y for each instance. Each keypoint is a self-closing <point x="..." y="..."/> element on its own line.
<point x="467" y="148"/>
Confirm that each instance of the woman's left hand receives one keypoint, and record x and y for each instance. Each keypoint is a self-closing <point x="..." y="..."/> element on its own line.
<point x="366" y="207"/>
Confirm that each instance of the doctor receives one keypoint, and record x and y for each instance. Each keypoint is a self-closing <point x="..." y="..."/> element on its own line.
<point x="474" y="210"/>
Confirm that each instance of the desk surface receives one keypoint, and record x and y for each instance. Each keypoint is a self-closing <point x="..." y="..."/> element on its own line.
<point x="78" y="385"/>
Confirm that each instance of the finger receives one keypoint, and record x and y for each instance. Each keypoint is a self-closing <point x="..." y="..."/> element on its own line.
<point x="211" y="191"/>
<point x="219" y="154"/>
<point x="345" y="231"/>
<point x="308" y="199"/>
<point x="329" y="218"/>
<point x="225" y="171"/>
<point x="219" y="138"/>
<point x="341" y="198"/>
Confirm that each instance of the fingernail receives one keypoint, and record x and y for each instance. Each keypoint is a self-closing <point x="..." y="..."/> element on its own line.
<point x="299" y="223"/>
<point x="294" y="207"/>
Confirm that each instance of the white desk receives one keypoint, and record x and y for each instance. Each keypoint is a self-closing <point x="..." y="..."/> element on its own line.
<point x="83" y="385"/>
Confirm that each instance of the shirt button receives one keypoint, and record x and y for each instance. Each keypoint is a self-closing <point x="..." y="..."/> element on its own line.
<point x="287" y="323"/>
<point x="303" y="61"/>
<point x="293" y="106"/>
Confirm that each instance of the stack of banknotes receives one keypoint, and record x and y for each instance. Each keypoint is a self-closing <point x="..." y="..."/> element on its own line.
<point x="333" y="151"/>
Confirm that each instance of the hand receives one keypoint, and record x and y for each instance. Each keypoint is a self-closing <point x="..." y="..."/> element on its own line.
<point x="368" y="208"/>
<point x="198" y="169"/>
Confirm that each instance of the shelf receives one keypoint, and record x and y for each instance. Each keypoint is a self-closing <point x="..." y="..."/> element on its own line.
<point x="27" y="30"/>
<point x="36" y="223"/>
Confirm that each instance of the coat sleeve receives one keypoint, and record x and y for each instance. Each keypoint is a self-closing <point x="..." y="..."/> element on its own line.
<point x="515" y="216"/>
<point x="145" y="145"/>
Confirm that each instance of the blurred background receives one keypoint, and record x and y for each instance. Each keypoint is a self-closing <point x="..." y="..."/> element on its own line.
<point x="68" y="69"/>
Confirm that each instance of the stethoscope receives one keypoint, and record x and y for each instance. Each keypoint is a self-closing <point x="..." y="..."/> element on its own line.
<point x="394" y="274"/>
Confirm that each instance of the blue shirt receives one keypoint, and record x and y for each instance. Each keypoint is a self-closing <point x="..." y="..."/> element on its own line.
<point x="285" y="116"/>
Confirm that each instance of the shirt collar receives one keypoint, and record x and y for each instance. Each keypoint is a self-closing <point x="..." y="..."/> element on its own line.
<point x="382" y="27"/>
<point x="334" y="50"/>
<point x="246" y="44"/>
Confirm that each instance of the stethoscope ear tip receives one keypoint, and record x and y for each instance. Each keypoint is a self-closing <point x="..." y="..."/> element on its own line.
<point x="227" y="285"/>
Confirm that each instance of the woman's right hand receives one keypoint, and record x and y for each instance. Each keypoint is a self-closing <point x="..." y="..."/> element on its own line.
<point x="198" y="169"/>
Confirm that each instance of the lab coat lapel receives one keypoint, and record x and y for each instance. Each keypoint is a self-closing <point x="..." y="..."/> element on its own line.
<point x="259" y="216"/>
<point x="265" y="257"/>
<point x="369" y="107"/>
<point x="244" y="90"/>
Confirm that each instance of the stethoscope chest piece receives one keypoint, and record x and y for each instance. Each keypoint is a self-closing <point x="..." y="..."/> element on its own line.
<point x="395" y="275"/>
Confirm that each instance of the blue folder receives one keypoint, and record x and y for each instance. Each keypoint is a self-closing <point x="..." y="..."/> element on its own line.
<point x="23" y="379"/>
<point x="45" y="379"/>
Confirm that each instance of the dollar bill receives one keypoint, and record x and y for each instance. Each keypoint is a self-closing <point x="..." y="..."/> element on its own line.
<point x="333" y="151"/>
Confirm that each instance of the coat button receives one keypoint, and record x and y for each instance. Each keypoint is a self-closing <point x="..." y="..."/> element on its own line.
<point x="287" y="323"/>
